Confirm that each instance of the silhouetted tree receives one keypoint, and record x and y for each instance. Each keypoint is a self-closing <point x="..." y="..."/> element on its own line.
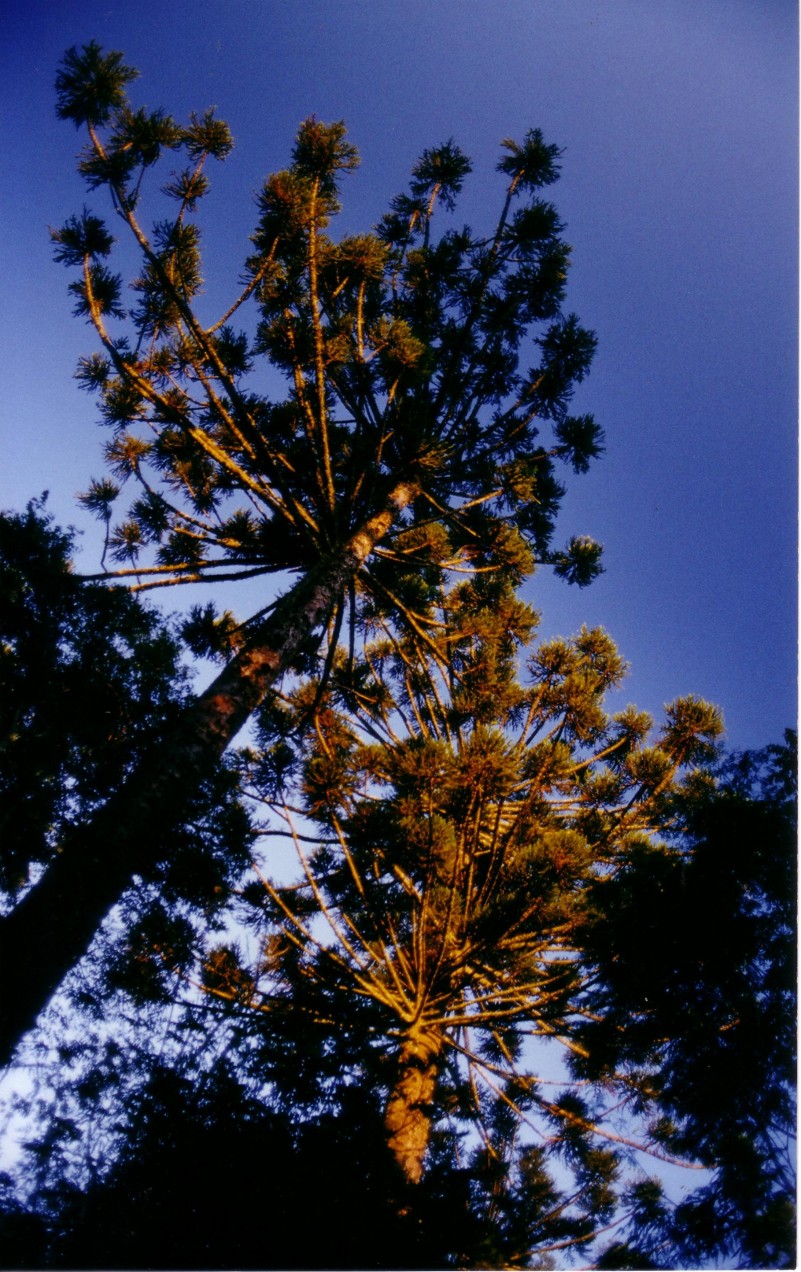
<point x="90" y="681"/>
<point x="214" y="1177"/>
<point x="695" y="946"/>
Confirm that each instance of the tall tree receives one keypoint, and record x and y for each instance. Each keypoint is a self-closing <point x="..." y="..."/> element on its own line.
<point x="406" y="408"/>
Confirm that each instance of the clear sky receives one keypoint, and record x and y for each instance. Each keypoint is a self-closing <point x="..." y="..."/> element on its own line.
<point x="678" y="123"/>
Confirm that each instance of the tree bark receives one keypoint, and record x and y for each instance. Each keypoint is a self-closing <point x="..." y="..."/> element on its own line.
<point x="53" y="925"/>
<point x="408" y="1113"/>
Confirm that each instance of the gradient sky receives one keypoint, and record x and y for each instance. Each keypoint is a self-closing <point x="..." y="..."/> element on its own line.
<point x="679" y="190"/>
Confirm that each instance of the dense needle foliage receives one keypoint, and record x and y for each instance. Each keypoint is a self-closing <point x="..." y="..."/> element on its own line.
<point x="400" y="348"/>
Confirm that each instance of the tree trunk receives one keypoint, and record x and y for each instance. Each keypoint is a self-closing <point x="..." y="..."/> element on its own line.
<point x="53" y="925"/>
<point x="408" y="1114"/>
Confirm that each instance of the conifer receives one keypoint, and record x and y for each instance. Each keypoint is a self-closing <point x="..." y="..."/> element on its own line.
<point x="409" y="426"/>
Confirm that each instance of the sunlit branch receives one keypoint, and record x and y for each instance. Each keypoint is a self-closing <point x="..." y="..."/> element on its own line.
<point x="322" y="409"/>
<point x="199" y="578"/>
<point x="249" y="289"/>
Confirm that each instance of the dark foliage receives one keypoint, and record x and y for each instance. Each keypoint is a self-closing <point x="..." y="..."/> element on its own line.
<point x="696" y="953"/>
<point x="214" y="1178"/>
<point x="88" y="677"/>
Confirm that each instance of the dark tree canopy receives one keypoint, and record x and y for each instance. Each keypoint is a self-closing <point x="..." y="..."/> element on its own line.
<point x="696" y="949"/>
<point x="88" y="675"/>
<point x="90" y="681"/>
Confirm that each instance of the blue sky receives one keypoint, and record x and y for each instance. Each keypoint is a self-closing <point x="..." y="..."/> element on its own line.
<point x="679" y="189"/>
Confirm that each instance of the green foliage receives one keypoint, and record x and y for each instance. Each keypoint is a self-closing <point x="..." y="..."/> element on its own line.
<point x="80" y="238"/>
<point x="88" y="677"/>
<point x="91" y="85"/>
<point x="533" y="164"/>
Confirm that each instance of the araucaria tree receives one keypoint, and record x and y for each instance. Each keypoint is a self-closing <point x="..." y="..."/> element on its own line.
<point x="468" y="986"/>
<point x="410" y="434"/>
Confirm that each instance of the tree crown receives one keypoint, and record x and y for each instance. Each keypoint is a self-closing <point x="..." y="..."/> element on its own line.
<point x="400" y="347"/>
